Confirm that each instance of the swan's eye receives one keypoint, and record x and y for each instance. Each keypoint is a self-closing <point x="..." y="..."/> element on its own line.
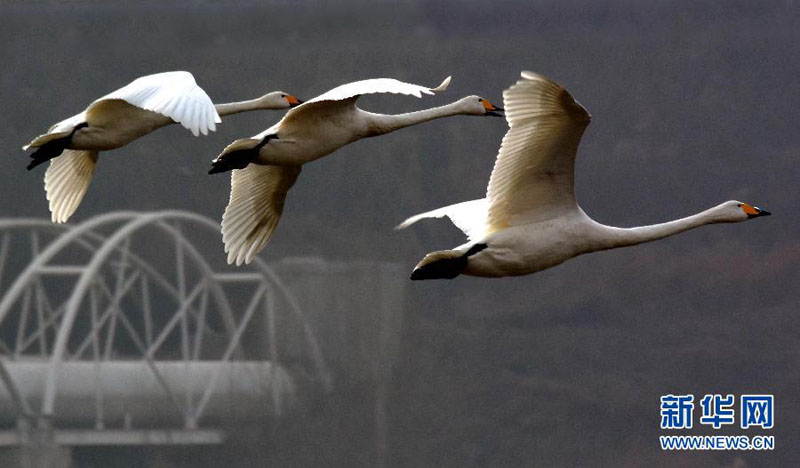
<point x="480" y="100"/>
<point x="739" y="205"/>
<point x="283" y="95"/>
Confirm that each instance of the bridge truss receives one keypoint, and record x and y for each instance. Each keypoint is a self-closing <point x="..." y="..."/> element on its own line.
<point x="121" y="330"/>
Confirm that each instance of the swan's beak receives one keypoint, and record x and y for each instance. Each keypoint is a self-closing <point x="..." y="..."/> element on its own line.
<point x="754" y="211"/>
<point x="293" y="101"/>
<point x="491" y="109"/>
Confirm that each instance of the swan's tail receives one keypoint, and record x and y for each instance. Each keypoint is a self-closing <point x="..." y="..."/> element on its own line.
<point x="42" y="139"/>
<point x="444" y="264"/>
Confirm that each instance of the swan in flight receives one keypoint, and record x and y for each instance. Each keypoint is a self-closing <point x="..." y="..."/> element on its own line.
<point x="267" y="165"/>
<point x="116" y="119"/>
<point x="529" y="220"/>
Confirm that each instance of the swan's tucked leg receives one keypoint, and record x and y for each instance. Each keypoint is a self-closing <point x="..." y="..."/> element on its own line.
<point x="239" y="154"/>
<point x="67" y="180"/>
<point x="444" y="264"/>
<point x="258" y="194"/>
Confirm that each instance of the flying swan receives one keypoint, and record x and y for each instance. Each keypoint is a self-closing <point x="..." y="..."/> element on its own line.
<point x="529" y="220"/>
<point x="267" y="165"/>
<point x="116" y="119"/>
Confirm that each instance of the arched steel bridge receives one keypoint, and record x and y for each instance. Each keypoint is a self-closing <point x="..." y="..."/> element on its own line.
<point x="118" y="330"/>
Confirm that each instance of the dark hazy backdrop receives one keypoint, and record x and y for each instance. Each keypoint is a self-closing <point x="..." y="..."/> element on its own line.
<point x="693" y="103"/>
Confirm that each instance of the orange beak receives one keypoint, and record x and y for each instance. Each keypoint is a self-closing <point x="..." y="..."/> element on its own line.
<point x="293" y="101"/>
<point x="491" y="109"/>
<point x="489" y="106"/>
<point x="753" y="211"/>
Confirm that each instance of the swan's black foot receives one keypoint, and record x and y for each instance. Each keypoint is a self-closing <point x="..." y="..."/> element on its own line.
<point x="238" y="159"/>
<point x="53" y="148"/>
<point x="441" y="268"/>
<point x="239" y="154"/>
<point x="444" y="264"/>
<point x="46" y="152"/>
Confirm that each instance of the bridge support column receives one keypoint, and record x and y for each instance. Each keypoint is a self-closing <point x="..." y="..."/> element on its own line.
<point x="38" y="448"/>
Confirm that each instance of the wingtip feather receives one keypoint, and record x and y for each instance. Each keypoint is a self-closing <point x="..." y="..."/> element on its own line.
<point x="529" y="75"/>
<point x="443" y="86"/>
<point x="408" y="222"/>
<point x="413" y="219"/>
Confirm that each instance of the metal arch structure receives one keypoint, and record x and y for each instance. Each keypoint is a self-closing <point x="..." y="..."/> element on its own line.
<point x="66" y="321"/>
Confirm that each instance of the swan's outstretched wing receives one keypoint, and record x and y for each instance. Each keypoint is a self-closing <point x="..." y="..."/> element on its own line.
<point x="469" y="216"/>
<point x="533" y="176"/>
<point x="66" y="181"/>
<point x="377" y="86"/>
<point x="347" y="94"/>
<point x="257" y="197"/>
<point x="172" y="94"/>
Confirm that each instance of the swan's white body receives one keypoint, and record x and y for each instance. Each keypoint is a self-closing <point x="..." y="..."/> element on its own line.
<point x="331" y="120"/>
<point x="146" y="104"/>
<point x="270" y="162"/>
<point x="530" y="220"/>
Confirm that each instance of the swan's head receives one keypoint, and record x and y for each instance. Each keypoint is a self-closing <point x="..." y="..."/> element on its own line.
<point x="735" y="211"/>
<point x="278" y="100"/>
<point x="476" y="105"/>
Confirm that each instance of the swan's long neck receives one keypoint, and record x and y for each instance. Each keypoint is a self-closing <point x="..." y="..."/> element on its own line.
<point x="380" y="124"/>
<point x="241" y="106"/>
<point x="620" y="237"/>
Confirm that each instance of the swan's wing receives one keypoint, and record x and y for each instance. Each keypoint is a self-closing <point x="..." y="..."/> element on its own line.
<point x="172" y="94"/>
<point x="347" y="94"/>
<point x="469" y="216"/>
<point x="532" y="178"/>
<point x="257" y="197"/>
<point x="377" y="86"/>
<point x="66" y="181"/>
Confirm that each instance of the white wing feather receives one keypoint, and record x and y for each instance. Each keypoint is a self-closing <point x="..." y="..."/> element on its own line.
<point x="469" y="216"/>
<point x="256" y="203"/>
<point x="347" y="94"/>
<point x="377" y="86"/>
<point x="533" y="175"/>
<point x="172" y="94"/>
<point x="66" y="181"/>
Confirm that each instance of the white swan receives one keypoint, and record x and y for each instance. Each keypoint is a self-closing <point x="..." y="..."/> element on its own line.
<point x="529" y="220"/>
<point x="116" y="119"/>
<point x="312" y="130"/>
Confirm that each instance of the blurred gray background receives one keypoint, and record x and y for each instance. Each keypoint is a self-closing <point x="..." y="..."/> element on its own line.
<point x="693" y="103"/>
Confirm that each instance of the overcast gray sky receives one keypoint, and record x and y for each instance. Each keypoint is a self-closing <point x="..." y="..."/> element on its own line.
<point x="693" y="103"/>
